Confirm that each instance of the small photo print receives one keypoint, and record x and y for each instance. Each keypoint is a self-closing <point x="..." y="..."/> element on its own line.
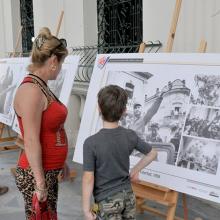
<point x="203" y="122"/>
<point x="199" y="154"/>
<point x="206" y="90"/>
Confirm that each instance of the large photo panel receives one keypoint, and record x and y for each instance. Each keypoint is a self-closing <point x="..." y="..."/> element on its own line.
<point x="161" y="109"/>
<point x="62" y="86"/>
<point x="12" y="70"/>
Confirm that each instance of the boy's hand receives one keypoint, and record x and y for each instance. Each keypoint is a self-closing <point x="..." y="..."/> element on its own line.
<point x="89" y="216"/>
<point x="134" y="175"/>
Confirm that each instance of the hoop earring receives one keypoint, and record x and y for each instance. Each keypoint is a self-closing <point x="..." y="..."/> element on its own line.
<point x="53" y="67"/>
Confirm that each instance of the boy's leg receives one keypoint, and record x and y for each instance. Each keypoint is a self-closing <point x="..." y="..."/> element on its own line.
<point x="129" y="211"/>
<point x="112" y="207"/>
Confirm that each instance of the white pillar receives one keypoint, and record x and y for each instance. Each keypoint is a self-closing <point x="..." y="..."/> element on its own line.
<point x="2" y="32"/>
<point x="75" y="111"/>
<point x="9" y="25"/>
<point x="156" y="19"/>
<point x="82" y="104"/>
<point x="90" y="22"/>
<point x="73" y="120"/>
<point x="79" y="25"/>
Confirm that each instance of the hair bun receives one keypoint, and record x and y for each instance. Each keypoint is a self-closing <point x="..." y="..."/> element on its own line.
<point x="45" y="33"/>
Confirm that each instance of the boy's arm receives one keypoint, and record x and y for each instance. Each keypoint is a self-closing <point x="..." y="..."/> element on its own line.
<point x="88" y="178"/>
<point x="150" y="155"/>
<point x="146" y="160"/>
<point x="87" y="189"/>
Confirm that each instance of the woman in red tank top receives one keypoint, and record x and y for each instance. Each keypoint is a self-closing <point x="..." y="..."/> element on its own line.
<point x="41" y="118"/>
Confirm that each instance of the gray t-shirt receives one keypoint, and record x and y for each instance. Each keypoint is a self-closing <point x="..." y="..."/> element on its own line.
<point x="107" y="154"/>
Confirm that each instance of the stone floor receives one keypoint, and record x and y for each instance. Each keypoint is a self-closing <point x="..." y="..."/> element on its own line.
<point x="69" y="205"/>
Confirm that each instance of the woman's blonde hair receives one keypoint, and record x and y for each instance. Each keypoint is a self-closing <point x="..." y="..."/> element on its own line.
<point x="45" y="45"/>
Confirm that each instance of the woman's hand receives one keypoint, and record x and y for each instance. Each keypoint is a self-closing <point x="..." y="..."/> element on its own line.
<point x="89" y="216"/>
<point x="65" y="175"/>
<point x="41" y="194"/>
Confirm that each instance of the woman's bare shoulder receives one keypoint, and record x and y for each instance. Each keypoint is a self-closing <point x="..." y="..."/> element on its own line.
<point x="28" y="95"/>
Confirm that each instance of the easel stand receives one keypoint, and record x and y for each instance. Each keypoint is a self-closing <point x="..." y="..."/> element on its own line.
<point x="158" y="194"/>
<point x="6" y="143"/>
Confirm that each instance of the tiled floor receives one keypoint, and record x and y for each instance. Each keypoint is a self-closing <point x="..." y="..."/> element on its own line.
<point x="69" y="205"/>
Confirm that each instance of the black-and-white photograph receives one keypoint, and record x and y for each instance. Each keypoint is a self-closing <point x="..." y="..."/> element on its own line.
<point x="162" y="116"/>
<point x="155" y="111"/>
<point x="7" y="88"/>
<point x="206" y="90"/>
<point x="135" y="84"/>
<point x="199" y="155"/>
<point x="203" y="122"/>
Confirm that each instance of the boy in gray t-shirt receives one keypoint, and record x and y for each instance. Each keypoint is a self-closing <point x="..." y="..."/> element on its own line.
<point x="106" y="160"/>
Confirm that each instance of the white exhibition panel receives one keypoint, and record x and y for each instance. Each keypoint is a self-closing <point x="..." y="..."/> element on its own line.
<point x="185" y="129"/>
<point x="12" y="71"/>
<point x="62" y="86"/>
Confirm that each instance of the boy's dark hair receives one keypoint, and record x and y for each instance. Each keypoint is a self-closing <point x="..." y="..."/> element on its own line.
<point x="112" y="102"/>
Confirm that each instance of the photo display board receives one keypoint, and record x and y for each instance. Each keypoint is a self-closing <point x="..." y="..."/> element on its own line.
<point x="12" y="71"/>
<point x="173" y="104"/>
<point x="62" y="86"/>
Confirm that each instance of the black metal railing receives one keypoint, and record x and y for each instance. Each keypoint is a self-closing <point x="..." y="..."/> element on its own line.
<point x="88" y="55"/>
<point x="27" y="23"/>
<point x="119" y="22"/>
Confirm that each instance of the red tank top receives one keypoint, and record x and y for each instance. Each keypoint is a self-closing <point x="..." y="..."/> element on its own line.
<point x="52" y="135"/>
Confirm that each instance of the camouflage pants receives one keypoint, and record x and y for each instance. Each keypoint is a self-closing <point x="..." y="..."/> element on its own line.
<point x="120" y="206"/>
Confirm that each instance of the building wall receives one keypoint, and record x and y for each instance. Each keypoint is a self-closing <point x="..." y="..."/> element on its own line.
<point x="9" y="25"/>
<point x="79" y="25"/>
<point x="199" y="19"/>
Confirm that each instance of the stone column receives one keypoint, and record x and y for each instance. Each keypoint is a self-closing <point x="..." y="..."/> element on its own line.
<point x="9" y="25"/>
<point x="75" y="111"/>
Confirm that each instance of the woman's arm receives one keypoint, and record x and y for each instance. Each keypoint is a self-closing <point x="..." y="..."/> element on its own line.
<point x="29" y="105"/>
